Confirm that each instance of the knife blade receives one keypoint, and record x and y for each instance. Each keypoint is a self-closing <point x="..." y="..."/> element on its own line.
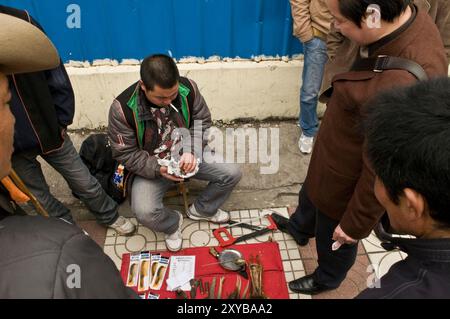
<point x="244" y="294"/>
<point x="252" y="235"/>
<point x="243" y="272"/>
<point x="219" y="292"/>
<point x="194" y="285"/>
<point x="206" y="290"/>
<point x="212" y="289"/>
<point x="236" y="292"/>
<point x="200" y="284"/>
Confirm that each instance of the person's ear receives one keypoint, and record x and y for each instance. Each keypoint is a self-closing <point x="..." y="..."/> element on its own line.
<point x="142" y="85"/>
<point x="415" y="203"/>
<point x="373" y="16"/>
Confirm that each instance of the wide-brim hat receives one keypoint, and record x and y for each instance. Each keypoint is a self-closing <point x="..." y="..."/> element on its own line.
<point x="24" y="48"/>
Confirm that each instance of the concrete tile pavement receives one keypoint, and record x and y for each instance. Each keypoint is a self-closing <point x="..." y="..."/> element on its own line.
<point x="199" y="234"/>
<point x="255" y="191"/>
<point x="297" y="261"/>
<point x="372" y="262"/>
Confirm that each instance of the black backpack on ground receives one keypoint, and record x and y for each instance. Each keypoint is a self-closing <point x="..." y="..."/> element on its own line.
<point x="96" y="154"/>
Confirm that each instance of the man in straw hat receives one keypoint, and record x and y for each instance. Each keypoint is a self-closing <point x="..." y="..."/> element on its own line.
<point x="43" y="104"/>
<point x="42" y="257"/>
<point x="29" y="58"/>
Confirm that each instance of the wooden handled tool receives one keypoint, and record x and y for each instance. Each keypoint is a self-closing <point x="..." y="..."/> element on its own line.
<point x="14" y="192"/>
<point x="21" y="185"/>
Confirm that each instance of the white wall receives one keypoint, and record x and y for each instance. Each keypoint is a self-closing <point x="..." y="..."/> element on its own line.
<point x="232" y="89"/>
<point x="236" y="89"/>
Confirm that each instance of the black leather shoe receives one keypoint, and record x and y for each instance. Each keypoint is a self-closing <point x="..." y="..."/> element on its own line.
<point x="306" y="285"/>
<point x="301" y="242"/>
<point x="282" y="224"/>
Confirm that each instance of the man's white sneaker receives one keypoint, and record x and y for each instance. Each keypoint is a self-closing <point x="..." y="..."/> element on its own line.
<point x="305" y="144"/>
<point x="123" y="226"/>
<point x="174" y="242"/>
<point x="220" y="217"/>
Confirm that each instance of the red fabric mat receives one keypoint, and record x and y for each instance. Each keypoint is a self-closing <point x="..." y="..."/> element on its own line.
<point x="274" y="282"/>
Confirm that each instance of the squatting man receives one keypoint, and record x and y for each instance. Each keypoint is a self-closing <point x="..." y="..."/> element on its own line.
<point x="143" y="123"/>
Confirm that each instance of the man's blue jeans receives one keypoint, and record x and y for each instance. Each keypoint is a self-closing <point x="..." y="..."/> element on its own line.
<point x="315" y="52"/>
<point x="68" y="163"/>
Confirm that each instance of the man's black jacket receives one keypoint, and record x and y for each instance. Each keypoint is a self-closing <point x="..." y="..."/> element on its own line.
<point x="425" y="273"/>
<point x="43" y="103"/>
<point x="42" y="257"/>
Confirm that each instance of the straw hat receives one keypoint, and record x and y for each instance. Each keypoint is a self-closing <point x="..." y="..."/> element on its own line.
<point x="24" y="47"/>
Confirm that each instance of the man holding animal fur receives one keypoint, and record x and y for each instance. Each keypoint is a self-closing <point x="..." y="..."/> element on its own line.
<point x="151" y="129"/>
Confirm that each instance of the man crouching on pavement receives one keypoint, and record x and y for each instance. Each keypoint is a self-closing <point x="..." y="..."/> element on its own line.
<point x="143" y="125"/>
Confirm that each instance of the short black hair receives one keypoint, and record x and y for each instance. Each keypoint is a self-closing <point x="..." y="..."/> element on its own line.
<point x="355" y="10"/>
<point x="408" y="143"/>
<point x="161" y="70"/>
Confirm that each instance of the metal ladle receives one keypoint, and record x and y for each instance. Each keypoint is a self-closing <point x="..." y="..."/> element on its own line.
<point x="230" y="259"/>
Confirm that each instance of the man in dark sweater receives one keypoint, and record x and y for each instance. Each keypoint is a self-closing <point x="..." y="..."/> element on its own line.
<point x="411" y="158"/>
<point x="42" y="257"/>
<point x="43" y="105"/>
<point x="24" y="47"/>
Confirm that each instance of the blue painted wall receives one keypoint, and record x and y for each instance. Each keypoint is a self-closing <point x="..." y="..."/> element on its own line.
<point x="120" y="29"/>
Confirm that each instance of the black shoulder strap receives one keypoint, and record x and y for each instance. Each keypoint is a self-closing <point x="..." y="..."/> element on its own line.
<point x="385" y="62"/>
<point x="129" y="116"/>
<point x="123" y="100"/>
<point x="191" y="97"/>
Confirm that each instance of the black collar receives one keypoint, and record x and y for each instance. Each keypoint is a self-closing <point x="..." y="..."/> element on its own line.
<point x="431" y="250"/>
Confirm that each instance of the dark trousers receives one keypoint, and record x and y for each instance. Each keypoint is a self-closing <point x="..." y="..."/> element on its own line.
<point x="68" y="163"/>
<point x="308" y="222"/>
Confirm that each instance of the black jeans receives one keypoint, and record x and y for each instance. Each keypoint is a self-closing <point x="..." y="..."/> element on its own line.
<point x="68" y="163"/>
<point x="308" y="222"/>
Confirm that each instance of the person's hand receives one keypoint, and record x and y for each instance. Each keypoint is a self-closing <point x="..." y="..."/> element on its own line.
<point x="165" y="174"/>
<point x="342" y="237"/>
<point x="188" y="162"/>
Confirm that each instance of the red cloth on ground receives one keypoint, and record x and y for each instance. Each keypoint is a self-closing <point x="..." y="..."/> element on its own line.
<point x="274" y="282"/>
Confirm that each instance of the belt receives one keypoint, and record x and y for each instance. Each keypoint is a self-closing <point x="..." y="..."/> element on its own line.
<point x="319" y="34"/>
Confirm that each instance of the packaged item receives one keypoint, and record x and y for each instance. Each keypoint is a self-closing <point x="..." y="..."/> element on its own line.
<point x="154" y="264"/>
<point x="152" y="296"/>
<point x="133" y="270"/>
<point x="158" y="279"/>
<point x="144" y="271"/>
<point x="118" y="176"/>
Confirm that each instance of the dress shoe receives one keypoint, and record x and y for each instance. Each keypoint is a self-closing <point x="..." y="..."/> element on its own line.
<point x="282" y="225"/>
<point x="306" y="285"/>
<point x="281" y="222"/>
<point x="301" y="241"/>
